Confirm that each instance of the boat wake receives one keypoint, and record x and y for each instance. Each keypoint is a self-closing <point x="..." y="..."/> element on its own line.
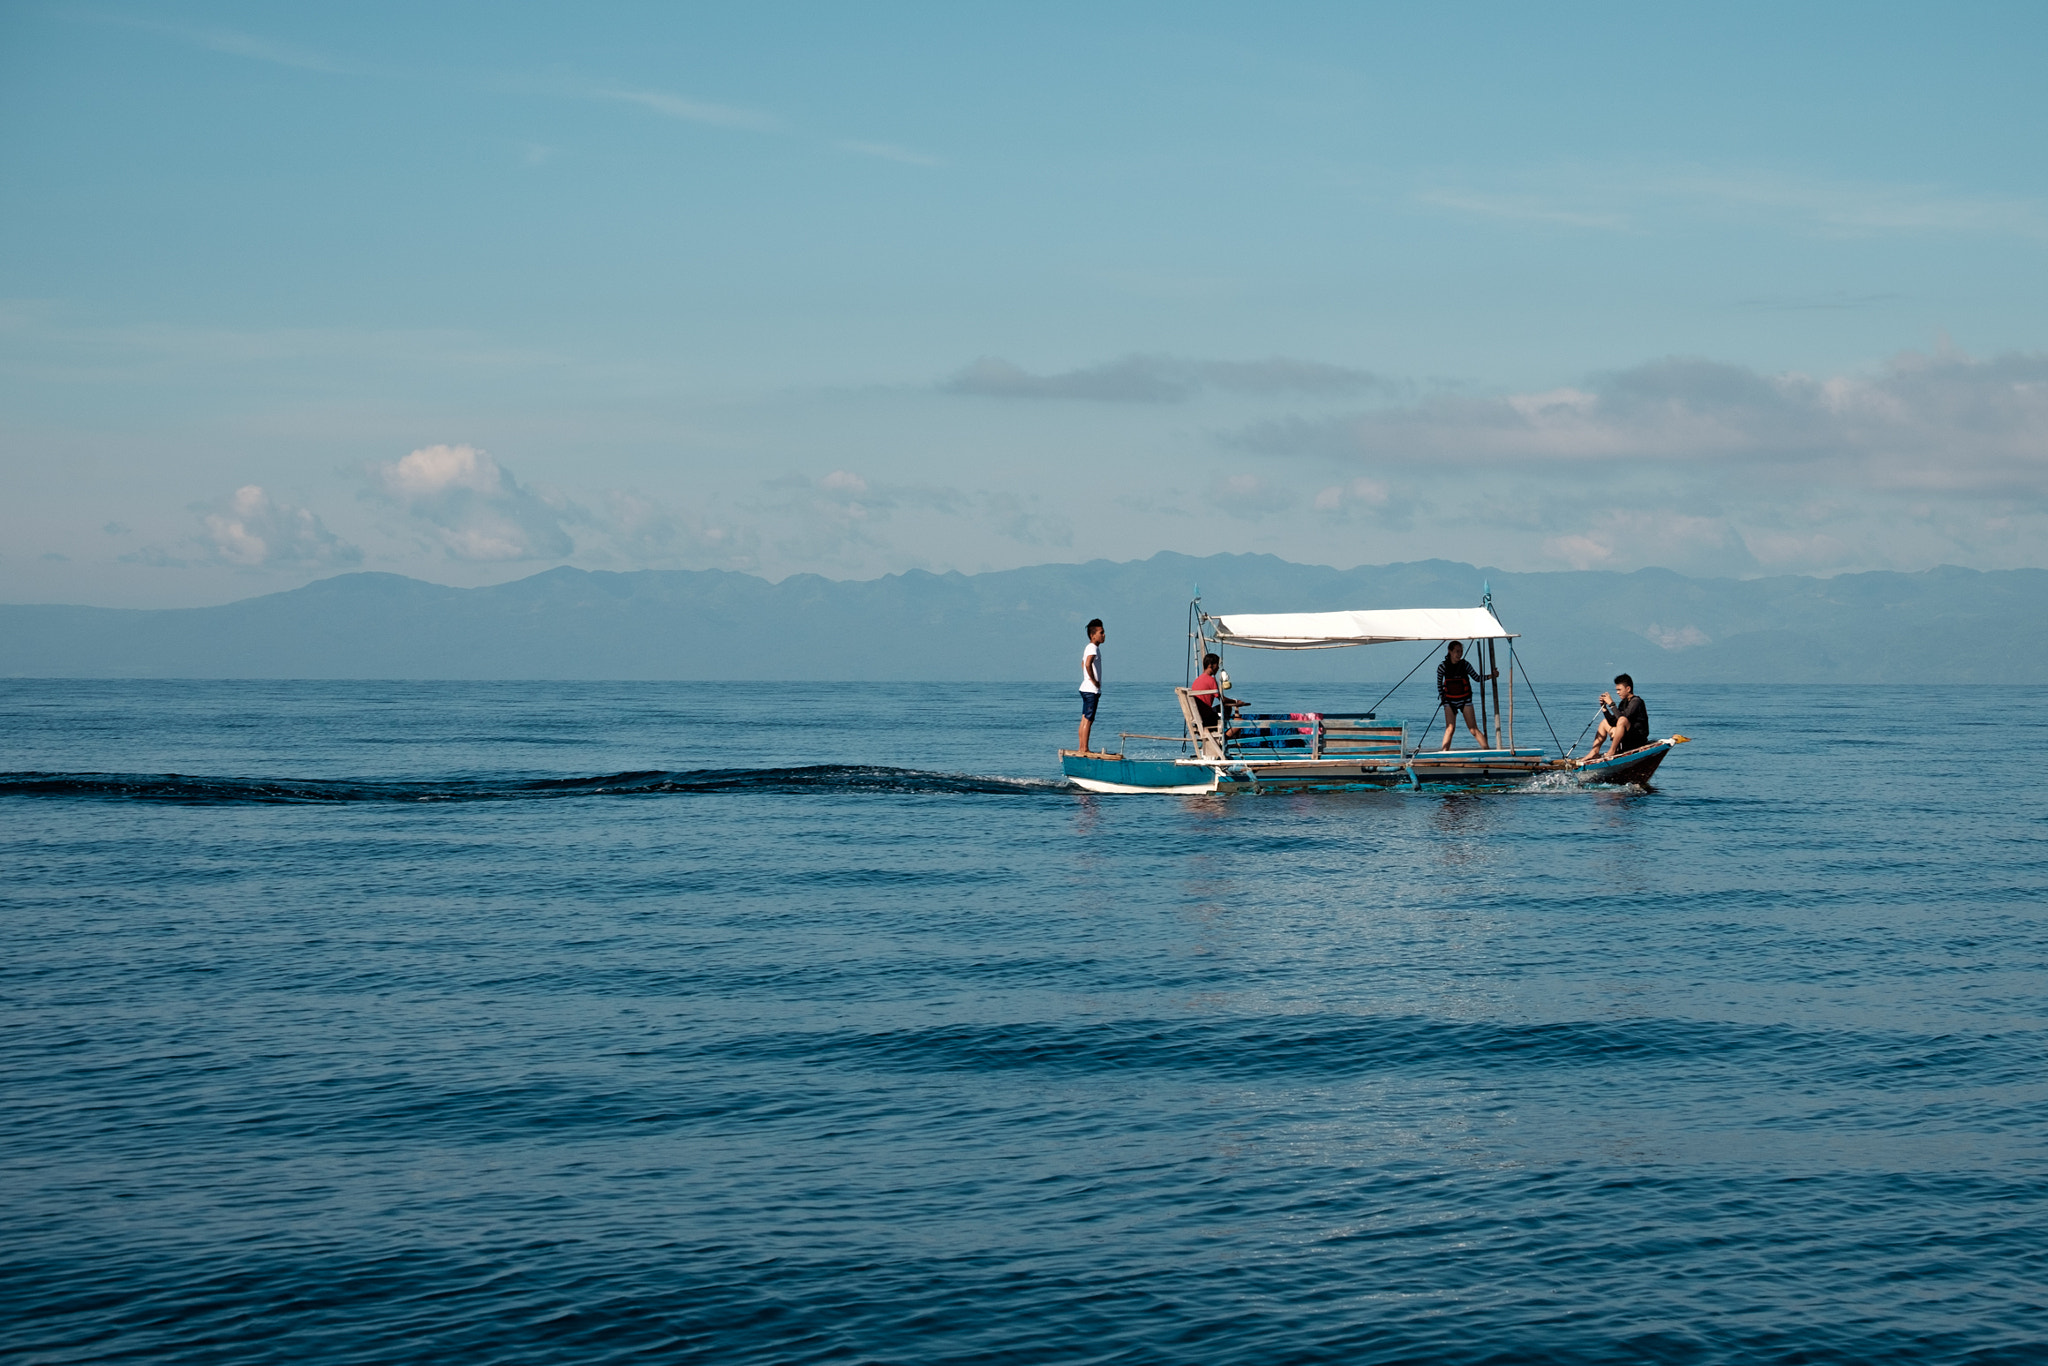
<point x="202" y="790"/>
<point x="1558" y="780"/>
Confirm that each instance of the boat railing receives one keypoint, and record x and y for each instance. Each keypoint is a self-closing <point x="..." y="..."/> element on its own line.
<point x="1361" y="735"/>
<point x="1316" y="735"/>
<point x="1307" y="735"/>
<point x="1258" y="734"/>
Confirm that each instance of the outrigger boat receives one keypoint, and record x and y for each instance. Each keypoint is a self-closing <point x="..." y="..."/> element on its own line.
<point x="1245" y="751"/>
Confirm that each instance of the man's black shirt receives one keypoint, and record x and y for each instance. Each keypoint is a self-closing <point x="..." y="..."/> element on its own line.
<point x="1635" y="719"/>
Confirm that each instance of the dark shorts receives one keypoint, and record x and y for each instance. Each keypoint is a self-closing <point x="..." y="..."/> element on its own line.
<point x="1088" y="701"/>
<point x="1457" y="704"/>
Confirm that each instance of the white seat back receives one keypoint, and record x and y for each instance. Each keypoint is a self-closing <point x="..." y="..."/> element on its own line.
<point x="1208" y="740"/>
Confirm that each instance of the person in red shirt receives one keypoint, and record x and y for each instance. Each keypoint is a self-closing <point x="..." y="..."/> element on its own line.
<point x="1210" y="703"/>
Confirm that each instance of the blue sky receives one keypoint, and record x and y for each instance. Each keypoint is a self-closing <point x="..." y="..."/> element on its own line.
<point x="465" y="291"/>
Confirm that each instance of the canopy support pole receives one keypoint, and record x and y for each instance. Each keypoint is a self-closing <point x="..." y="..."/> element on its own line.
<point x="1511" y="697"/>
<point x="1485" y="699"/>
<point x="1492" y="669"/>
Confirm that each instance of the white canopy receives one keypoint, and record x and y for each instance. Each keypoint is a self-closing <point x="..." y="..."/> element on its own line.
<point x="1329" y="630"/>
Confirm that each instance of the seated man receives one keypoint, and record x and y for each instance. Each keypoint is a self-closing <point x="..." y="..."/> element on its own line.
<point x="1210" y="702"/>
<point x="1624" y="725"/>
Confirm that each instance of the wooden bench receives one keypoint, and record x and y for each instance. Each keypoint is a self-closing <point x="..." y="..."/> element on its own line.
<point x="1307" y="735"/>
<point x="1363" y="736"/>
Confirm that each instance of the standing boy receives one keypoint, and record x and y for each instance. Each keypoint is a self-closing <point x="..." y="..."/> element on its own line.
<point x="1091" y="678"/>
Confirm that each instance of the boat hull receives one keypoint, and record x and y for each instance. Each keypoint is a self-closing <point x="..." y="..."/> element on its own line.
<point x="1635" y="767"/>
<point x="1114" y="773"/>
<point x="1454" y="768"/>
<point x="1475" y="767"/>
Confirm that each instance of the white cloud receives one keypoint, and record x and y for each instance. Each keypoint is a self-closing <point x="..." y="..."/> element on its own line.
<point x="1167" y="502"/>
<point x="1131" y="380"/>
<point x="1941" y="423"/>
<point x="254" y="530"/>
<point x="632" y="527"/>
<point x="1792" y="551"/>
<point x="268" y="50"/>
<point x="1851" y="208"/>
<point x="234" y="43"/>
<point x="1638" y="199"/>
<point x="1655" y="532"/>
<point x="689" y="110"/>
<point x="1358" y="493"/>
<point x="156" y="557"/>
<point x="472" y="507"/>
<point x="1579" y="551"/>
<point x="1024" y="520"/>
<point x="1159" y="379"/>
<point x="1676" y="637"/>
<point x="1250" y="496"/>
<point x="832" y="516"/>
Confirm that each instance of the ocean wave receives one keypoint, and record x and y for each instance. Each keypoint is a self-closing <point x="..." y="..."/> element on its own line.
<point x="1313" y="1045"/>
<point x="200" y="789"/>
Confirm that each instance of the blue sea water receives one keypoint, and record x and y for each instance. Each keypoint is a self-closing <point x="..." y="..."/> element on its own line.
<point x="773" y="1023"/>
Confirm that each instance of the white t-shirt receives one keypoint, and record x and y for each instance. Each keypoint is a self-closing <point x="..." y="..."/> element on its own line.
<point x="1093" y="652"/>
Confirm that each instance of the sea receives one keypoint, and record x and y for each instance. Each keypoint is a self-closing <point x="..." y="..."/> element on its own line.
<point x="585" y="1022"/>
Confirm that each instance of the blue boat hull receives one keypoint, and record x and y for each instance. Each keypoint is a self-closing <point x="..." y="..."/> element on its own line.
<point x="1107" y="773"/>
<point x="1636" y="766"/>
<point x="1455" y="768"/>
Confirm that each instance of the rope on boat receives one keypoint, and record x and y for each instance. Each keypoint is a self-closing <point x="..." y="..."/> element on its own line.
<point x="1431" y="654"/>
<point x="1514" y="658"/>
<point x="1198" y="644"/>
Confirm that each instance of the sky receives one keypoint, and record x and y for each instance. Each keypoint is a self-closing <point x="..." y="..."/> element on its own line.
<point x="466" y="291"/>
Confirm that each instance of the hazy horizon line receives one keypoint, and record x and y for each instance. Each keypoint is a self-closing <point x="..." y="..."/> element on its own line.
<point x="1047" y="564"/>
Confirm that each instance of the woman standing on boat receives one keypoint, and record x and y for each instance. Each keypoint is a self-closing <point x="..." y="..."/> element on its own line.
<point x="1454" y="680"/>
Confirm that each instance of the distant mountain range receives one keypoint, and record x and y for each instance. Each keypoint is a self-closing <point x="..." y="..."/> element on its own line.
<point x="1945" y="625"/>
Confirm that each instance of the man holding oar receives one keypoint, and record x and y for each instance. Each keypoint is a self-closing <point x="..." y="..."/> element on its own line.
<point x="1624" y="724"/>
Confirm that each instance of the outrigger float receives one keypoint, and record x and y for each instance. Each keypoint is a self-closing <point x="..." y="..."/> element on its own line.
<point x="1334" y="751"/>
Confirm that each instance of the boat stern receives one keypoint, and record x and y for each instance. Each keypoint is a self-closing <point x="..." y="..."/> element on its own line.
<point x="1115" y="773"/>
